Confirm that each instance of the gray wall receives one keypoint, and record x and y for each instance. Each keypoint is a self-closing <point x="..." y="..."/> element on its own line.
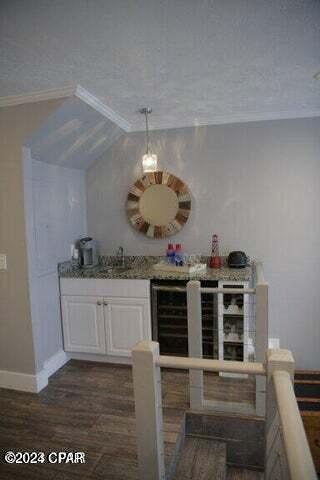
<point x="55" y="208"/>
<point x="257" y="185"/>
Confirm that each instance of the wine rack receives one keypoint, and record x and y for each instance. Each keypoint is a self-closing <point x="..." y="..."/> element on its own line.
<point x="170" y="322"/>
<point x="235" y="324"/>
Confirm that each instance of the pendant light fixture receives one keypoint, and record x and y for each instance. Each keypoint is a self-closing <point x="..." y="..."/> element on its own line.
<point x="149" y="159"/>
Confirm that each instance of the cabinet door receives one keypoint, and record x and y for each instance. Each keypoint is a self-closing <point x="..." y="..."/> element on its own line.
<point x="127" y="323"/>
<point x="83" y="324"/>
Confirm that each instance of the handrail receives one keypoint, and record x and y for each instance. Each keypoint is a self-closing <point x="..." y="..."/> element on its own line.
<point x="186" y="363"/>
<point x="299" y="459"/>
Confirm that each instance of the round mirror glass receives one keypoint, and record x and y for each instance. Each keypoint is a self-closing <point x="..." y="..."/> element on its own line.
<point x="158" y="204"/>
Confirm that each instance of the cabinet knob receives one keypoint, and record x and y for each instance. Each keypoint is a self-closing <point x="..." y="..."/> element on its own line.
<point x="99" y="303"/>
<point x="105" y="304"/>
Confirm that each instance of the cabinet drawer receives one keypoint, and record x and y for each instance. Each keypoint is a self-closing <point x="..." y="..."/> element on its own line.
<point x="105" y="287"/>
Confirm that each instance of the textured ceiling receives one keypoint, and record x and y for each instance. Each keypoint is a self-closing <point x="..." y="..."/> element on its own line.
<point x="194" y="61"/>
<point x="73" y="136"/>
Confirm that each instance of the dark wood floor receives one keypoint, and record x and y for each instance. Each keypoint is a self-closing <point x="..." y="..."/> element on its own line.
<point x="89" y="407"/>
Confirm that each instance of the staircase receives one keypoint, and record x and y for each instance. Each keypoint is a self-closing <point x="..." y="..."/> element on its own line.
<point x="201" y="459"/>
<point x="307" y="391"/>
<point x="219" y="447"/>
<point x="204" y="459"/>
<point x="220" y="444"/>
<point x="243" y="474"/>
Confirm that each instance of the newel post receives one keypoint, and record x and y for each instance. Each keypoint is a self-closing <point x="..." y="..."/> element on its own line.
<point x="261" y="345"/>
<point x="278" y="359"/>
<point x="195" y="342"/>
<point x="148" y="409"/>
<point x="282" y="361"/>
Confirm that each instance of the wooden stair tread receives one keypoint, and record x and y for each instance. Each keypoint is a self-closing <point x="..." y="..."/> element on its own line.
<point x="201" y="459"/>
<point x="234" y="473"/>
<point x="308" y="399"/>
<point x="306" y="381"/>
<point x="307" y="391"/>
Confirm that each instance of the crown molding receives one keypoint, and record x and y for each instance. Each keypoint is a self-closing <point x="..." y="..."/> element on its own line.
<point x="235" y="118"/>
<point x="100" y="107"/>
<point x="39" y="96"/>
<point x="64" y="92"/>
<point x="91" y="100"/>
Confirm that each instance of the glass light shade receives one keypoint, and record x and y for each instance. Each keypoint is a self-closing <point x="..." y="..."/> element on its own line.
<point x="149" y="162"/>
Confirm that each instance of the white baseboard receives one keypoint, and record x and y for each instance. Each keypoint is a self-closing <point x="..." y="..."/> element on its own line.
<point x="42" y="381"/>
<point x="55" y="362"/>
<point x="26" y="382"/>
<point x="91" y="357"/>
<point x="22" y="381"/>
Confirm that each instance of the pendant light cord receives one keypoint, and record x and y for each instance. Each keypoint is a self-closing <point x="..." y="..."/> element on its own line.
<point x="146" y="111"/>
<point x="149" y="160"/>
<point x="147" y="132"/>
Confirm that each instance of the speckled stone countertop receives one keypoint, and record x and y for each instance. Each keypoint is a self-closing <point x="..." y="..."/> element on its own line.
<point x="141" y="268"/>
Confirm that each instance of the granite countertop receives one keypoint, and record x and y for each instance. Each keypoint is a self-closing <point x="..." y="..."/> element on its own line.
<point x="141" y="268"/>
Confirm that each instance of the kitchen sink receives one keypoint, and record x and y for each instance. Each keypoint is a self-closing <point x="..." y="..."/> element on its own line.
<point x="116" y="269"/>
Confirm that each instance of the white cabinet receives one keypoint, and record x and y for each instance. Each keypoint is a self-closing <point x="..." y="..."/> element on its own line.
<point x="83" y="324"/>
<point x="127" y="322"/>
<point x="110" y="322"/>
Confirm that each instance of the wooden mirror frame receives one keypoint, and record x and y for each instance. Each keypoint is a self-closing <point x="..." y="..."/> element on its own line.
<point x="136" y="192"/>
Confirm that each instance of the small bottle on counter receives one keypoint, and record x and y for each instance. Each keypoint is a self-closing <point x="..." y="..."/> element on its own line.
<point x="179" y="257"/>
<point x="74" y="254"/>
<point x="215" y="260"/>
<point x="170" y="254"/>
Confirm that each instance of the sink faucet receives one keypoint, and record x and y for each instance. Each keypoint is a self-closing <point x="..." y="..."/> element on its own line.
<point x="120" y="253"/>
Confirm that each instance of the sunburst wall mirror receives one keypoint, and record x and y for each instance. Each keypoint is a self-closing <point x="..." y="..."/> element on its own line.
<point x="158" y="204"/>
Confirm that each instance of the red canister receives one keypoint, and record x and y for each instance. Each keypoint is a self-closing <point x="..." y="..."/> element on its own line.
<point x="215" y="262"/>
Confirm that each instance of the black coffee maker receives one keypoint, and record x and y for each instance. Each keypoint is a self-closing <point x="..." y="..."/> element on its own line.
<point x="88" y="252"/>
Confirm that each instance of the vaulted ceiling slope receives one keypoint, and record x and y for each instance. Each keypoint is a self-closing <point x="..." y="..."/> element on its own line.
<point x="195" y="61"/>
<point x="73" y="136"/>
